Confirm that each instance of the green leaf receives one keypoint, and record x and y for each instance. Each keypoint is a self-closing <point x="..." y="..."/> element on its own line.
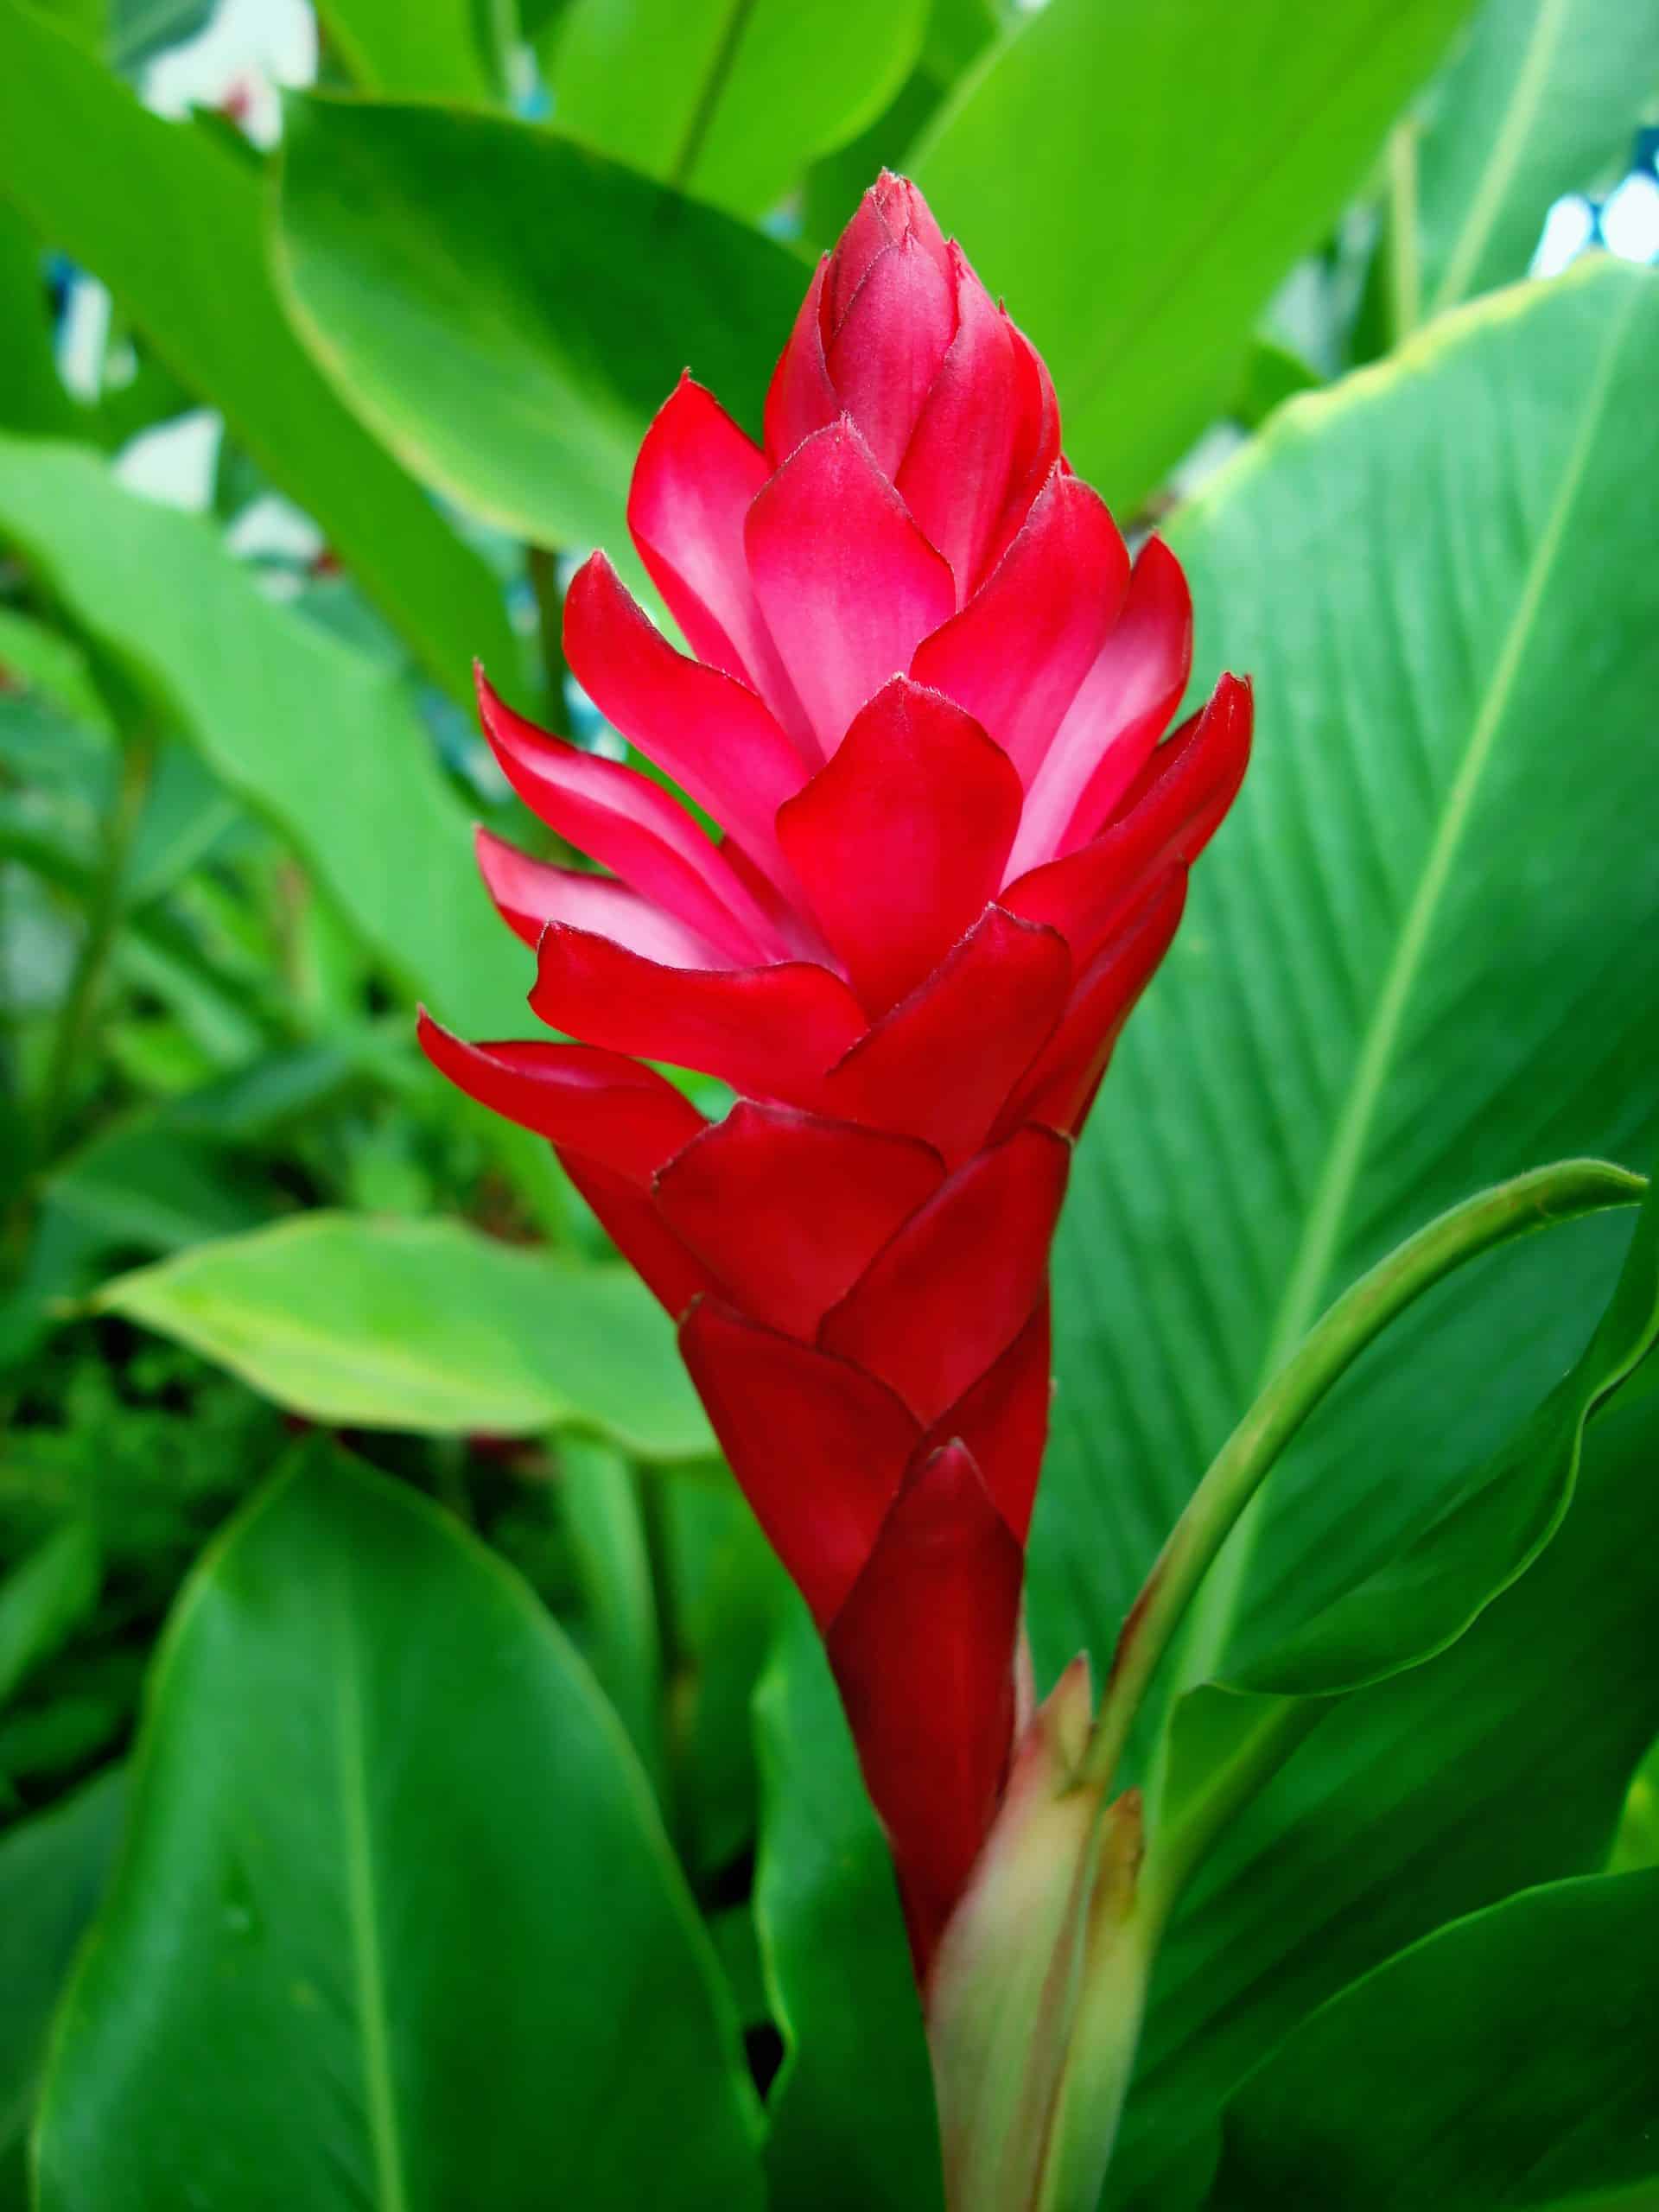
<point x="1217" y="142"/>
<point x="1406" y="970"/>
<point x="1502" y="1763"/>
<point x="599" y="1493"/>
<point x="1506" y="2059"/>
<point x="726" y="1596"/>
<point x="359" y="1322"/>
<point x="53" y="1869"/>
<point x="729" y="99"/>
<point x="1637" y="1841"/>
<point x="140" y="29"/>
<point x="45" y="662"/>
<point x="434" y="51"/>
<point x="32" y="394"/>
<point x="509" y="311"/>
<point x="1225" y="1739"/>
<point x="851" y="2112"/>
<point x="45" y="1599"/>
<point x="1545" y="1197"/>
<point x="1540" y="100"/>
<point x="1421" y="1600"/>
<point x="1334" y="1051"/>
<point x="1270" y="375"/>
<point x="175" y="227"/>
<point x="144" y="1185"/>
<point x="313" y="735"/>
<point x="397" y="1925"/>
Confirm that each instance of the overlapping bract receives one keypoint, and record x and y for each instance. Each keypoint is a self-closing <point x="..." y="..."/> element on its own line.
<point x="925" y="707"/>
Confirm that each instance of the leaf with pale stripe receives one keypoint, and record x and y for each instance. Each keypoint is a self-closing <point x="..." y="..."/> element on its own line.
<point x="396" y="1925"/>
<point x="1407" y="967"/>
<point x="1539" y="100"/>
<point x="1410" y="966"/>
<point x="1139" y="179"/>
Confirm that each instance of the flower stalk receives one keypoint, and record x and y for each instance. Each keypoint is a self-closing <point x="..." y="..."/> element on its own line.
<point x="925" y="702"/>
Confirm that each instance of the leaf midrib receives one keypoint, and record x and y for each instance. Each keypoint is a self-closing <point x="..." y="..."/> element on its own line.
<point x="1214" y="1613"/>
<point x="1526" y="96"/>
<point x="367" y="1966"/>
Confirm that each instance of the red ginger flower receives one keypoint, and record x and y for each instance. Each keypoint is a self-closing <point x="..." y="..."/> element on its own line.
<point x="925" y="707"/>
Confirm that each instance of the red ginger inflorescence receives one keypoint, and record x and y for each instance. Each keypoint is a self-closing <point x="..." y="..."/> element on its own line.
<point x="925" y="707"/>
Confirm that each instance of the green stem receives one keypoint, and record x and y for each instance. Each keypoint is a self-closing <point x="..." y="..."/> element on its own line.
<point x="103" y="920"/>
<point x="1562" y="1193"/>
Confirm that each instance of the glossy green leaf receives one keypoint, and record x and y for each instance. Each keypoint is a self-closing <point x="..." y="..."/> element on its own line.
<point x="437" y="50"/>
<point x="1506" y="2061"/>
<point x="1372" y="1010"/>
<point x="1637" y="1840"/>
<point x="851" y="2114"/>
<point x="364" y="1322"/>
<point x="509" y="311"/>
<point x="1525" y="1205"/>
<point x="730" y="99"/>
<point x="397" y="1925"/>
<point x="1501" y="1764"/>
<point x="176" y="228"/>
<point x="1224" y="1740"/>
<point x="1270" y="375"/>
<point x="599" y="1496"/>
<point x="310" y="733"/>
<point x="1138" y="180"/>
<point x="32" y="394"/>
<point x="1334" y="1051"/>
<point x="724" y="1596"/>
<point x="36" y="659"/>
<point x="44" y="1599"/>
<point x="53" y="1869"/>
<point x="1542" y="99"/>
<point x="1421" y="1600"/>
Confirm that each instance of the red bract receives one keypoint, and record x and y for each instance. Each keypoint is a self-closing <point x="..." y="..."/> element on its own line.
<point x="925" y="708"/>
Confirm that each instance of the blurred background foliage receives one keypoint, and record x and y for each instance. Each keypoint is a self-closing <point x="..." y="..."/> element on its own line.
<point x="330" y="335"/>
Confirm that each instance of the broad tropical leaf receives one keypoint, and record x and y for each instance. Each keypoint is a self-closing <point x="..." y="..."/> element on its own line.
<point x="1537" y="102"/>
<point x="390" y="1859"/>
<point x="174" y="224"/>
<point x="1138" y="180"/>
<point x="311" y="733"/>
<point x="515" y="364"/>
<point x="1506" y="2059"/>
<point x="440" y="50"/>
<point x="364" y="1321"/>
<point x="1354" y="1030"/>
<point x="729" y="104"/>
<point x="53" y="1869"/>
<point x="1369" y="1012"/>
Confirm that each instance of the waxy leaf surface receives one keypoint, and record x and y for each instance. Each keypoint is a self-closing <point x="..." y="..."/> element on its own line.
<point x="363" y="1321"/>
<point x="515" y="364"/>
<point x="1138" y="180"/>
<point x="1537" y="101"/>
<point x="729" y="103"/>
<point x="396" y="1905"/>
<point x="53" y="1869"/>
<point x="1355" y="1030"/>
<point x="175" y="225"/>
<point x="1506" y="2059"/>
<point x="311" y="733"/>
